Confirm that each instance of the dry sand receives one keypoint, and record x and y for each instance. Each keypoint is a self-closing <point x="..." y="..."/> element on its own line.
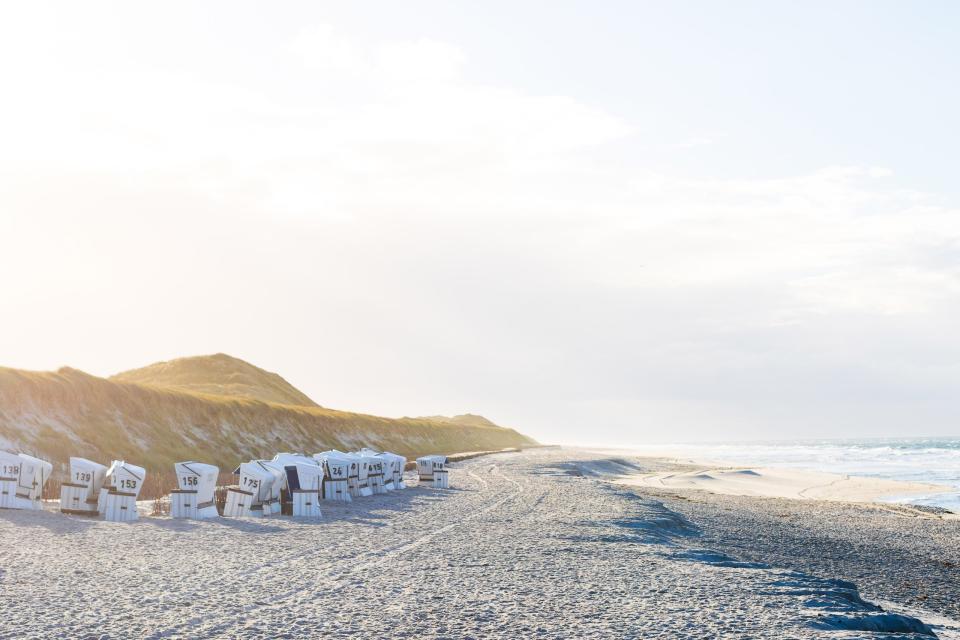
<point x="783" y="483"/>
<point x="533" y="544"/>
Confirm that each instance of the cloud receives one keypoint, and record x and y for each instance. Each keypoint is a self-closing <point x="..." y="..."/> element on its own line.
<point x="698" y="141"/>
<point x="321" y="48"/>
<point x="364" y="216"/>
<point x="877" y="289"/>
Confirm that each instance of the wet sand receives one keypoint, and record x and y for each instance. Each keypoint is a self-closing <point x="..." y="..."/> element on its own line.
<point x="769" y="482"/>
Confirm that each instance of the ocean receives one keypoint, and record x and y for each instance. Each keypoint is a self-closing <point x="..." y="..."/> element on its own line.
<point x="933" y="459"/>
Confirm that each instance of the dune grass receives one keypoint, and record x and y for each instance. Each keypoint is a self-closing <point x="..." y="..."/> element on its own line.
<point x="66" y="413"/>
<point x="219" y="375"/>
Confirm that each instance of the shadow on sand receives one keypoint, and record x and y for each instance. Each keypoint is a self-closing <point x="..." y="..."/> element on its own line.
<point x="373" y="510"/>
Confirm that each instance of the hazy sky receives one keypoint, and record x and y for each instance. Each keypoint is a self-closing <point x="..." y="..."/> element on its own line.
<point x="614" y="222"/>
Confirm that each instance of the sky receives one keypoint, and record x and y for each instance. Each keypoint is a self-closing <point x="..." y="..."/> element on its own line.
<point x="607" y="223"/>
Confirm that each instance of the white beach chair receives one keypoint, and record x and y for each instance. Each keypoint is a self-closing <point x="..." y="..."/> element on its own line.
<point x="80" y="495"/>
<point x="270" y="502"/>
<point x="22" y="479"/>
<point x="401" y="468"/>
<point x="393" y="470"/>
<point x="353" y="475"/>
<point x="378" y="475"/>
<point x="255" y="486"/>
<point x="195" y="497"/>
<point x="9" y="478"/>
<point x="375" y="470"/>
<point x="388" y="463"/>
<point x="281" y="460"/>
<point x="238" y="502"/>
<point x="304" y="482"/>
<point x="425" y="470"/>
<point x="121" y="487"/>
<point x="432" y="471"/>
<point x="266" y="498"/>
<point x="336" y="470"/>
<point x="363" y="475"/>
<point x="40" y="472"/>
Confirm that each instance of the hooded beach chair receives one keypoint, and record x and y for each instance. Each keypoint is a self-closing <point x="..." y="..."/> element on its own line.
<point x="375" y="470"/>
<point x="9" y="477"/>
<point x="22" y="478"/>
<point x="281" y="460"/>
<point x="363" y="474"/>
<point x="399" y="471"/>
<point x="388" y="463"/>
<point x="304" y="483"/>
<point x="336" y="470"/>
<point x="265" y="497"/>
<point x="270" y="503"/>
<point x="432" y="471"/>
<point x="34" y="474"/>
<point x="393" y="470"/>
<point x="121" y="487"/>
<point x="255" y="485"/>
<point x="81" y="494"/>
<point x="353" y="473"/>
<point x="195" y="498"/>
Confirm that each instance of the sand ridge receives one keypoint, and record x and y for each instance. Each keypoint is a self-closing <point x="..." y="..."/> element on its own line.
<point x="784" y="483"/>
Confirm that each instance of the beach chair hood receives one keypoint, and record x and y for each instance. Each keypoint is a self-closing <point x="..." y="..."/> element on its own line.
<point x="89" y="474"/>
<point x="10" y="466"/>
<point x="336" y="464"/>
<point x="34" y="474"/>
<point x="279" y="479"/>
<point x="124" y="477"/>
<point x="304" y="477"/>
<point x="257" y="479"/>
<point x="199" y="477"/>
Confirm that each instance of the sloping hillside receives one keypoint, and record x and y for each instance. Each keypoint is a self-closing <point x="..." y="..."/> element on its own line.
<point x="468" y="419"/>
<point x="68" y="412"/>
<point x="220" y="375"/>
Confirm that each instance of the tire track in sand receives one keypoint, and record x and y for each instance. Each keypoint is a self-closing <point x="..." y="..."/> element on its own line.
<point x="293" y="595"/>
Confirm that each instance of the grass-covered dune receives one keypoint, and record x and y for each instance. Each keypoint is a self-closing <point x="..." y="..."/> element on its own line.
<point x="218" y="375"/>
<point x="70" y="413"/>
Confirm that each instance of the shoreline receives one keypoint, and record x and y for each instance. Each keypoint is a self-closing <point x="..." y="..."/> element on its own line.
<point x="765" y="479"/>
<point x="901" y="558"/>
<point x="794" y="484"/>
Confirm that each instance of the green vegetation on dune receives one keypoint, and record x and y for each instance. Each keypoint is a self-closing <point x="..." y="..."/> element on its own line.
<point x="219" y="375"/>
<point x="468" y="419"/>
<point x="70" y="413"/>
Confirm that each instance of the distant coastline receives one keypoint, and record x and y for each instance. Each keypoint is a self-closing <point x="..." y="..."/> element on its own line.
<point x="928" y="468"/>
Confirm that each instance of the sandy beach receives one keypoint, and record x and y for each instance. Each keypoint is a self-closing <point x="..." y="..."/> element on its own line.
<point x="542" y="543"/>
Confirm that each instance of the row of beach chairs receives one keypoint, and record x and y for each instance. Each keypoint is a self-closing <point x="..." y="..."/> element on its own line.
<point x="331" y="475"/>
<point x="300" y="481"/>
